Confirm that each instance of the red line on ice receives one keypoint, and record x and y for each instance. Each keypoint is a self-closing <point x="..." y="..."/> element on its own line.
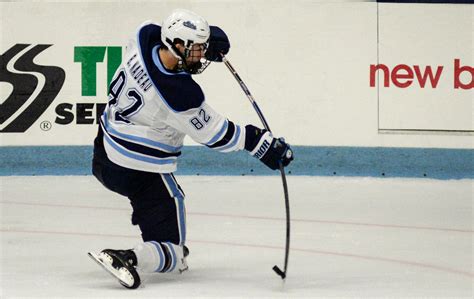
<point x="314" y="251"/>
<point x="257" y="217"/>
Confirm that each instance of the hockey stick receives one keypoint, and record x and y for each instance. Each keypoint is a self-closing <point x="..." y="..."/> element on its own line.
<point x="282" y="171"/>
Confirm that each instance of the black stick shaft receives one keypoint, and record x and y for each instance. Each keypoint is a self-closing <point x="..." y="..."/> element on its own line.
<point x="287" y="209"/>
<point x="282" y="171"/>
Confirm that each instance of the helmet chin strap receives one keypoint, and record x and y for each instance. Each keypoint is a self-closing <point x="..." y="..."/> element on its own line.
<point x="182" y="64"/>
<point x="176" y="53"/>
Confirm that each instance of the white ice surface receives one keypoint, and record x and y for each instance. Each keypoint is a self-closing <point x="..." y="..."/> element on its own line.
<point x="351" y="237"/>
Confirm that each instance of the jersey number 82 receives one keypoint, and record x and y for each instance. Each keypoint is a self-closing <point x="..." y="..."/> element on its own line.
<point x="201" y="120"/>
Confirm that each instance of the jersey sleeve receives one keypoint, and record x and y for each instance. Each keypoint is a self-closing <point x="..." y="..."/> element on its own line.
<point x="206" y="126"/>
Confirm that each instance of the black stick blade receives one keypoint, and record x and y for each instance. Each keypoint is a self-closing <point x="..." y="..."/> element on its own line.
<point x="279" y="272"/>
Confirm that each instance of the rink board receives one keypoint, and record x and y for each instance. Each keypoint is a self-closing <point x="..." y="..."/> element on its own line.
<point x="315" y="161"/>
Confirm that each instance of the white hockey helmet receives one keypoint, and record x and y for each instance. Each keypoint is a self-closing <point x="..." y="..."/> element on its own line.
<point x="185" y="26"/>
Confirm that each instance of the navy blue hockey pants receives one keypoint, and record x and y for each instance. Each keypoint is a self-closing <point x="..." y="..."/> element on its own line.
<point x="157" y="200"/>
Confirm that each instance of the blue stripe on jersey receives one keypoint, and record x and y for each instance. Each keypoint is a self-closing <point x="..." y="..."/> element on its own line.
<point x="135" y="156"/>
<point x="176" y="193"/>
<point x="137" y="148"/>
<point x="227" y="138"/>
<point x="219" y="134"/>
<point x="234" y="140"/>
<point x="159" y="145"/>
<point x="161" y="254"/>
<point x="173" y="254"/>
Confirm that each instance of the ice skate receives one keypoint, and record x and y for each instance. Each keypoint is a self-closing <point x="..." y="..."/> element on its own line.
<point x="121" y="264"/>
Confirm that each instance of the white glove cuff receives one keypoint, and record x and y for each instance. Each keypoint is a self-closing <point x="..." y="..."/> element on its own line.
<point x="263" y="145"/>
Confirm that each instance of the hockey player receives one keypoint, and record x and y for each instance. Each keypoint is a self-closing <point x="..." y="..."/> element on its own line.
<point x="153" y="103"/>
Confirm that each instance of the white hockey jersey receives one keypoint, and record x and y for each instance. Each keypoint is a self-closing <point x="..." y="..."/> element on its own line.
<point x="150" y="110"/>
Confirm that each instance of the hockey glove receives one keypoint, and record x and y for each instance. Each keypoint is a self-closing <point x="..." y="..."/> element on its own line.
<point x="271" y="151"/>
<point x="218" y="44"/>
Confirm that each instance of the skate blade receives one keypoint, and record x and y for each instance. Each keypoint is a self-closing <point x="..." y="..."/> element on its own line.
<point x="111" y="270"/>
